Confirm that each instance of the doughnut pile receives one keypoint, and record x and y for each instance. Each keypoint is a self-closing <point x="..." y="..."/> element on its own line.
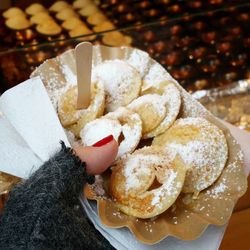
<point x="161" y="154"/>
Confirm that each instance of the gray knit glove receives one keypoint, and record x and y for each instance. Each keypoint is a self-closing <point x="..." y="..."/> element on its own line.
<point x="44" y="212"/>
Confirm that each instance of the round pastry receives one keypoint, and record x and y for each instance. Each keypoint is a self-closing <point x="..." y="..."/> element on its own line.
<point x="34" y="9"/>
<point x="89" y="10"/>
<point x="172" y="100"/>
<point x="152" y="110"/>
<point x="116" y="38"/>
<point x="131" y="129"/>
<point x="17" y="23"/>
<point x="122" y="82"/>
<point x="81" y="30"/>
<point x="65" y="14"/>
<point x="49" y="28"/>
<point x="13" y="12"/>
<point x="79" y="4"/>
<point x="75" y="119"/>
<point x="59" y="5"/>
<point x="155" y="75"/>
<point x="203" y="148"/>
<point x="139" y="60"/>
<point x="72" y="23"/>
<point x="146" y="183"/>
<point x="40" y="17"/>
<point x="104" y="26"/>
<point x="96" y="18"/>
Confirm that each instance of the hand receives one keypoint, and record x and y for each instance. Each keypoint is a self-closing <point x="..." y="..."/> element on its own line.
<point x="44" y="211"/>
<point x="98" y="158"/>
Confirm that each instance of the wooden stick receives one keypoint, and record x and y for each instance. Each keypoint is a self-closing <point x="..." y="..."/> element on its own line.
<point x="83" y="53"/>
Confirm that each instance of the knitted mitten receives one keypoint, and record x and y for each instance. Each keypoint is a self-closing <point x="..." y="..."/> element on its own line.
<point x="44" y="212"/>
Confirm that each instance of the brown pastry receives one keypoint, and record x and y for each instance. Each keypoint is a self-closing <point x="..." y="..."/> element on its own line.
<point x="66" y="14"/>
<point x="79" y="4"/>
<point x="116" y="38"/>
<point x="18" y="23"/>
<point x="13" y="12"/>
<point x="49" y="27"/>
<point x="97" y="18"/>
<point x="104" y="26"/>
<point x="40" y="17"/>
<point x="34" y="9"/>
<point x="72" y="23"/>
<point x="82" y="31"/>
<point x="58" y="6"/>
<point x="88" y="10"/>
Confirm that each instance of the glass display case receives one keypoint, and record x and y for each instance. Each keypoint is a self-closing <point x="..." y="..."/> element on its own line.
<point x="203" y="44"/>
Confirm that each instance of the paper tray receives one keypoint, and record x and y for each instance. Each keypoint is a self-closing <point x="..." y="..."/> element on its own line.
<point x="188" y="218"/>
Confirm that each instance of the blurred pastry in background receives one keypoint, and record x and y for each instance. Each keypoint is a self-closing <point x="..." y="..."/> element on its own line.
<point x="49" y="28"/>
<point x="79" y="4"/>
<point x="18" y="23"/>
<point x="35" y="8"/>
<point x="66" y="14"/>
<point x="82" y="31"/>
<point x="13" y="12"/>
<point x="88" y="10"/>
<point x="41" y="17"/>
<point x="96" y="18"/>
<point x="72" y="22"/>
<point x="59" y="6"/>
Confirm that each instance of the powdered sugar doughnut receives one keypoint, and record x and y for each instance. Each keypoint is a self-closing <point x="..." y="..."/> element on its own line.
<point x="203" y="148"/>
<point x="139" y="60"/>
<point x="75" y="119"/>
<point x="131" y="129"/>
<point x="154" y="75"/>
<point x="134" y="179"/>
<point x="98" y="129"/>
<point x="122" y="82"/>
<point x="152" y="110"/>
<point x="172" y="100"/>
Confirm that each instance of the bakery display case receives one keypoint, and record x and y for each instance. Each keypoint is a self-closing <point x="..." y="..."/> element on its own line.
<point x="203" y="44"/>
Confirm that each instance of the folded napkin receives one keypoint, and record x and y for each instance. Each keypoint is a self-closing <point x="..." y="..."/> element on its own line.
<point x="30" y="132"/>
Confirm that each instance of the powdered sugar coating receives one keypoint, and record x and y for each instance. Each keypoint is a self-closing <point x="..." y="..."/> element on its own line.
<point x="131" y="129"/>
<point x="69" y="75"/>
<point x="167" y="187"/>
<point x="172" y="101"/>
<point x="136" y="173"/>
<point x="70" y="115"/>
<point x="122" y="82"/>
<point x="152" y="110"/>
<point x="203" y="148"/>
<point x="54" y="81"/>
<point x="98" y="129"/>
<point x="154" y="76"/>
<point x="153" y="99"/>
<point x="139" y="60"/>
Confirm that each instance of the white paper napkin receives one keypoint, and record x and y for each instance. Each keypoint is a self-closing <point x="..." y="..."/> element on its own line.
<point x="16" y="156"/>
<point x="30" y="129"/>
<point x="30" y="133"/>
